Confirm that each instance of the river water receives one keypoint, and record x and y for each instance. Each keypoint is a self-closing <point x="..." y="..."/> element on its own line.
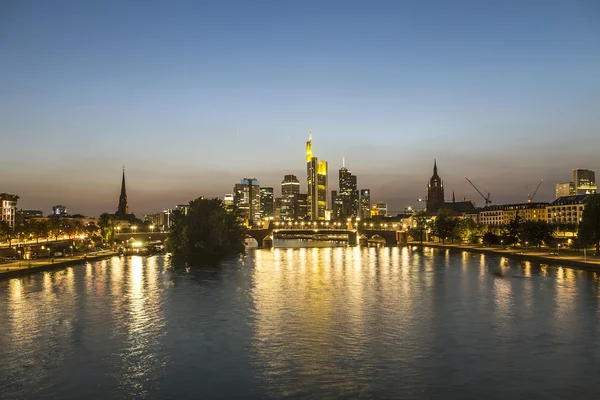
<point x="303" y="323"/>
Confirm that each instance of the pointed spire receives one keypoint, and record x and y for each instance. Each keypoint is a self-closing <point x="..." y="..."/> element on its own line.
<point x="453" y="198"/>
<point x="310" y="135"/>
<point x="434" y="167"/>
<point x="123" y="208"/>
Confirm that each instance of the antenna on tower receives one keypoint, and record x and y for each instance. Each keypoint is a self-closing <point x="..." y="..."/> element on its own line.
<point x="310" y="134"/>
<point x="343" y="162"/>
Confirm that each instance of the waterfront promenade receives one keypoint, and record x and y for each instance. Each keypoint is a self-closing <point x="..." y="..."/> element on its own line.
<point x="542" y="255"/>
<point x="22" y="267"/>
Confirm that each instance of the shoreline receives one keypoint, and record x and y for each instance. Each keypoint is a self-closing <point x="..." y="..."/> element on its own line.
<point x="592" y="264"/>
<point x="49" y="266"/>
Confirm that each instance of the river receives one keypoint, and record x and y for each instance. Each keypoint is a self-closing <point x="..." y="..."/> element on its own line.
<point x="303" y="323"/>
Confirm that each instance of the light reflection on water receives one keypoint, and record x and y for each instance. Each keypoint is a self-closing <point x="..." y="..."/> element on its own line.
<point x="303" y="323"/>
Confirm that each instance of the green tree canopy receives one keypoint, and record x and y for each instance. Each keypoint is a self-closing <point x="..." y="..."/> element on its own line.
<point x="207" y="230"/>
<point x="589" y="228"/>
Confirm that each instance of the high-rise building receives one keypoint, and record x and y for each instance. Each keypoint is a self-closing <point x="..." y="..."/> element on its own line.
<point x="346" y="202"/>
<point x="266" y="203"/>
<point x="301" y="206"/>
<point x="8" y="209"/>
<point x="584" y="181"/>
<point x="290" y="187"/>
<point x="435" y="191"/>
<point x="365" y="203"/>
<point x="246" y="198"/>
<point x="59" y="211"/>
<point x="277" y="207"/>
<point x="123" y="208"/>
<point x="228" y="201"/>
<point x="565" y="189"/>
<point x="316" y="175"/>
<point x="379" y="210"/>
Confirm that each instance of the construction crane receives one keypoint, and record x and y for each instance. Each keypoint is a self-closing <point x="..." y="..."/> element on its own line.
<point x="487" y="199"/>
<point x="531" y="196"/>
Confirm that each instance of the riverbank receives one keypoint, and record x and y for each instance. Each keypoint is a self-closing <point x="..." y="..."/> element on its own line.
<point x="545" y="256"/>
<point x="27" y="267"/>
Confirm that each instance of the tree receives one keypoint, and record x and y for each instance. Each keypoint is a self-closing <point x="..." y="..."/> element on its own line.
<point x="490" y="238"/>
<point x="444" y="225"/>
<point x="418" y="231"/>
<point x="512" y="229"/>
<point x="5" y="232"/>
<point x="467" y="230"/>
<point x="536" y="232"/>
<point x="106" y="223"/>
<point x="589" y="228"/>
<point x="208" y="230"/>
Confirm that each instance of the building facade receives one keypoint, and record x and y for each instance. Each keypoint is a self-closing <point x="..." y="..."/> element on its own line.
<point x="503" y="214"/>
<point x="584" y="181"/>
<point x="365" y="203"/>
<point x="565" y="189"/>
<point x="316" y="177"/>
<point x="568" y="209"/>
<point x="345" y="203"/>
<point x="267" y="209"/>
<point x="246" y="198"/>
<point x="290" y="188"/>
<point x="8" y="210"/>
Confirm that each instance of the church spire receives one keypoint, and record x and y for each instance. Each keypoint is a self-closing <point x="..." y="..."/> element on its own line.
<point x="434" y="167"/>
<point x="453" y="198"/>
<point x="123" y="208"/>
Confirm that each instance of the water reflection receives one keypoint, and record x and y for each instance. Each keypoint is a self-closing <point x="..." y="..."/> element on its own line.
<point x="302" y="323"/>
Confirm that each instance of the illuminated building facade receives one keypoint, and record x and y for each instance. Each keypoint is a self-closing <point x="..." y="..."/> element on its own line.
<point x="290" y="187"/>
<point x="8" y="210"/>
<point x="568" y="210"/>
<point x="565" y="189"/>
<point x="266" y="203"/>
<point x="584" y="181"/>
<point x="365" y="203"/>
<point x="316" y="174"/>
<point x="246" y="198"/>
<point x="59" y="211"/>
<point x="345" y="204"/>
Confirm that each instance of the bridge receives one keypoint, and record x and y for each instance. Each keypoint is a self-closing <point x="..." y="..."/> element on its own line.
<point x="265" y="234"/>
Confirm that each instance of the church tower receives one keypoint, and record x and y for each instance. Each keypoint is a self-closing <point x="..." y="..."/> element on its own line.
<point x="123" y="208"/>
<point x="435" y="191"/>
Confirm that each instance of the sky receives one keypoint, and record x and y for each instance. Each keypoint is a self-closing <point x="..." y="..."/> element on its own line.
<point x="193" y="96"/>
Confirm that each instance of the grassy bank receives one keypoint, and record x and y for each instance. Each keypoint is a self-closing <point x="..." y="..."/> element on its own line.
<point x="26" y="267"/>
<point x="544" y="256"/>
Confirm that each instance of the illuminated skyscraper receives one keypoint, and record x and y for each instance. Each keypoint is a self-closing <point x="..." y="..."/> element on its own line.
<point x="316" y="175"/>
<point x="246" y="195"/>
<point x="345" y="203"/>
<point x="290" y="188"/>
<point x="266" y="203"/>
<point x="365" y="203"/>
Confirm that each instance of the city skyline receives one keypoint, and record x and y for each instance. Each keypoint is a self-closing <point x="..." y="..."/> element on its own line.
<point x="504" y="94"/>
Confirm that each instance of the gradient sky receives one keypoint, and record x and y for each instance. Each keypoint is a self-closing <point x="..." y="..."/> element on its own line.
<point x="192" y="96"/>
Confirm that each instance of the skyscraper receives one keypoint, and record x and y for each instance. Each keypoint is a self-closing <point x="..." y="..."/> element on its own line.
<point x="266" y="203"/>
<point x="290" y="187"/>
<point x="123" y="208"/>
<point x="584" y="181"/>
<point x="316" y="175"/>
<point x="435" y="191"/>
<point x="246" y="197"/>
<point x="365" y="203"/>
<point x="347" y="201"/>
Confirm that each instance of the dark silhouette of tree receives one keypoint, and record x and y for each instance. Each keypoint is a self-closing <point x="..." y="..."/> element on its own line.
<point x="512" y="230"/>
<point x="106" y="223"/>
<point x="536" y="233"/>
<point x="207" y="230"/>
<point x="589" y="228"/>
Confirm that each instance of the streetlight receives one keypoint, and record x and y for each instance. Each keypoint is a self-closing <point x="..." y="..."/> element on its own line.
<point x="134" y="228"/>
<point x="558" y="251"/>
<point x="502" y="243"/>
<point x="152" y="228"/>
